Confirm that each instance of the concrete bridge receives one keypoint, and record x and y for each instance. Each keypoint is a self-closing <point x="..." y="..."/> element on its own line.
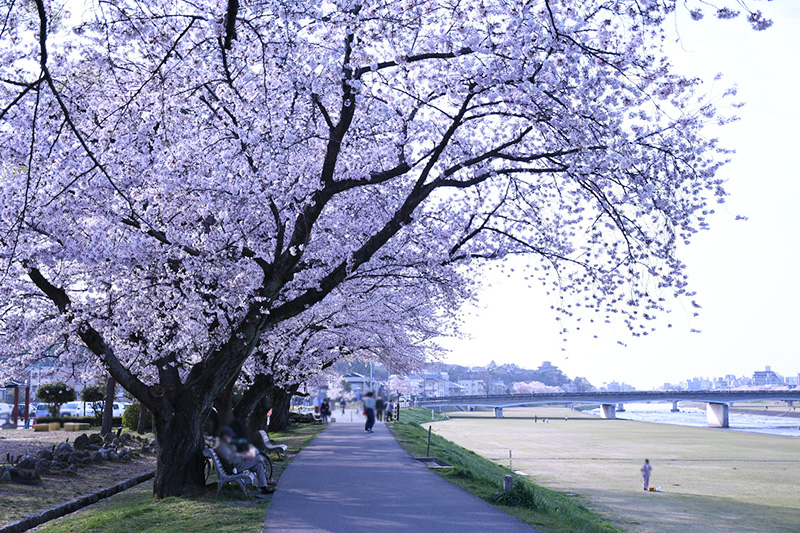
<point x="718" y="402"/>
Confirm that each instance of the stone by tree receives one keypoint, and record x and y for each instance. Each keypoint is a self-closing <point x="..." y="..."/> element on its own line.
<point x="181" y="178"/>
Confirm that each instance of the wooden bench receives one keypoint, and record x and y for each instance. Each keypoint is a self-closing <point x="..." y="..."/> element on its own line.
<point x="269" y="446"/>
<point x="224" y="477"/>
<point x="41" y="427"/>
<point x="76" y="426"/>
<point x="54" y="426"/>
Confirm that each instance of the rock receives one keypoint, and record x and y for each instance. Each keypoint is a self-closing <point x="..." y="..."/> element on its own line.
<point x="58" y="465"/>
<point x="116" y="441"/>
<point x="93" y="447"/>
<point x="64" y="447"/>
<point x="81" y="442"/>
<point x="77" y="458"/>
<point x="27" y="462"/>
<point x="109" y="437"/>
<point x="44" y="453"/>
<point x="95" y="438"/>
<point x="71" y="470"/>
<point x="96" y="457"/>
<point x="6" y="475"/>
<point x="62" y="457"/>
<point x="27" y="475"/>
<point x="113" y="457"/>
<point x="104" y="454"/>
<point x="42" y="466"/>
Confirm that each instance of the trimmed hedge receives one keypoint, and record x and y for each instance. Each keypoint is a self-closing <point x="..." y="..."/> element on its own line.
<point x="79" y="419"/>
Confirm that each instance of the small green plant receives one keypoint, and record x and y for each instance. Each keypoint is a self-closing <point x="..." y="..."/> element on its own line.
<point x="130" y="418"/>
<point x="520" y="495"/>
<point x="56" y="394"/>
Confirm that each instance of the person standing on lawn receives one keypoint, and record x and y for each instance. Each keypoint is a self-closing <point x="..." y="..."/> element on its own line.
<point x="646" y="469"/>
<point x="369" y="410"/>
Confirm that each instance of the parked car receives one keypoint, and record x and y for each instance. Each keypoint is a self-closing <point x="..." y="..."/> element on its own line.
<point x="43" y="409"/>
<point x="76" y="409"/>
<point x="5" y="410"/>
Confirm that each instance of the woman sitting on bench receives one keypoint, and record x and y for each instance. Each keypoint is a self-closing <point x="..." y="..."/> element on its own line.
<point x="246" y="460"/>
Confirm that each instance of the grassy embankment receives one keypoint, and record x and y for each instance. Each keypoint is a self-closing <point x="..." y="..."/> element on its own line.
<point x="545" y="509"/>
<point x="136" y="510"/>
<point x="712" y="480"/>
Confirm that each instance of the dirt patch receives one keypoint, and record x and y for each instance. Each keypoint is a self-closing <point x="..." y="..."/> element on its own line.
<point x="17" y="500"/>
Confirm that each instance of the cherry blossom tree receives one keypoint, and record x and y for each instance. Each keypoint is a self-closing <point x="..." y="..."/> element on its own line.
<point x="181" y="178"/>
<point x="533" y="387"/>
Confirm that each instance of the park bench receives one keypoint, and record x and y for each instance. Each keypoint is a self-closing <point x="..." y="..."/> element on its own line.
<point x="317" y="419"/>
<point x="76" y="426"/>
<point x="279" y="449"/>
<point x="224" y="477"/>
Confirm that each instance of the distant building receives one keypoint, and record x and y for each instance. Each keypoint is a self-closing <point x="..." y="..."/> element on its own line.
<point x="766" y="377"/>
<point x="472" y="387"/>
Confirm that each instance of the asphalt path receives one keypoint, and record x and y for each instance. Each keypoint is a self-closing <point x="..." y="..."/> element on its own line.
<point x="349" y="481"/>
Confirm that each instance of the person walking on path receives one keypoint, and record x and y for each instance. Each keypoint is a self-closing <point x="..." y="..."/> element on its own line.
<point x="389" y="411"/>
<point x="325" y="410"/>
<point x="342" y="404"/>
<point x="369" y="410"/>
<point x="646" y="469"/>
<point x="380" y="407"/>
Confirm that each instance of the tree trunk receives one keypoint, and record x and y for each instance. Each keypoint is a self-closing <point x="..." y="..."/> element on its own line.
<point x="224" y="410"/>
<point x="281" y="400"/>
<point x="255" y="404"/>
<point x="141" y="426"/>
<point x="180" y="452"/>
<point x="108" y="407"/>
<point x="258" y="418"/>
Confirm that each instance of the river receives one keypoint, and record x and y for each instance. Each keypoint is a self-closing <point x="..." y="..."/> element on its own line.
<point x="691" y="416"/>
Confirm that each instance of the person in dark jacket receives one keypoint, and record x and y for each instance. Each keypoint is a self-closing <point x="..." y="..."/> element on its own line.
<point x="380" y="407"/>
<point x="241" y="461"/>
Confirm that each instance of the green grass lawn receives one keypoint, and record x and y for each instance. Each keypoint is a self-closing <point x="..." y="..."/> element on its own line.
<point x="545" y="509"/>
<point x="136" y="510"/>
<point x="712" y="480"/>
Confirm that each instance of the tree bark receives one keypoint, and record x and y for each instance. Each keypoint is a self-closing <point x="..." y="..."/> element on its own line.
<point x="281" y="400"/>
<point x="141" y="426"/>
<point x="180" y="452"/>
<point x="255" y="404"/>
<point x="108" y="407"/>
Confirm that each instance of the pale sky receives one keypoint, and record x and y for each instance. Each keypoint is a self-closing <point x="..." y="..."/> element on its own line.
<point x="745" y="272"/>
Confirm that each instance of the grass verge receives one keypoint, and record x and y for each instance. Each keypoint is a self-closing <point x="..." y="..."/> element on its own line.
<point x="136" y="510"/>
<point x="545" y="509"/>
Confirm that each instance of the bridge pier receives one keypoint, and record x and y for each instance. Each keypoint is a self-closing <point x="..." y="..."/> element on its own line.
<point x="717" y="415"/>
<point x="675" y="407"/>
<point x="789" y="403"/>
<point x="620" y="407"/>
<point x="498" y="412"/>
<point x="608" y="410"/>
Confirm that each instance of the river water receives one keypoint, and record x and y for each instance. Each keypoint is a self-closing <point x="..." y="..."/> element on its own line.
<point x="691" y="416"/>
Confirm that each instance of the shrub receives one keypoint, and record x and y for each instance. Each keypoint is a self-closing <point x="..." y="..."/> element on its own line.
<point x="56" y="394"/>
<point x="95" y="395"/>
<point x="130" y="418"/>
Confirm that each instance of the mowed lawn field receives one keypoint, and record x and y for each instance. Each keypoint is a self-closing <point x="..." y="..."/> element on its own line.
<point x="711" y="480"/>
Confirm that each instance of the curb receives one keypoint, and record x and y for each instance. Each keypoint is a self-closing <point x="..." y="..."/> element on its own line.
<point x="74" y="505"/>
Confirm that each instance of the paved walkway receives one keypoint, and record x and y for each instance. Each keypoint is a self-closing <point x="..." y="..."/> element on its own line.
<point x="348" y="481"/>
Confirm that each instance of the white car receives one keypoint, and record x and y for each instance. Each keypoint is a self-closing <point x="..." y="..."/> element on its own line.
<point x="76" y="409"/>
<point x="5" y="410"/>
